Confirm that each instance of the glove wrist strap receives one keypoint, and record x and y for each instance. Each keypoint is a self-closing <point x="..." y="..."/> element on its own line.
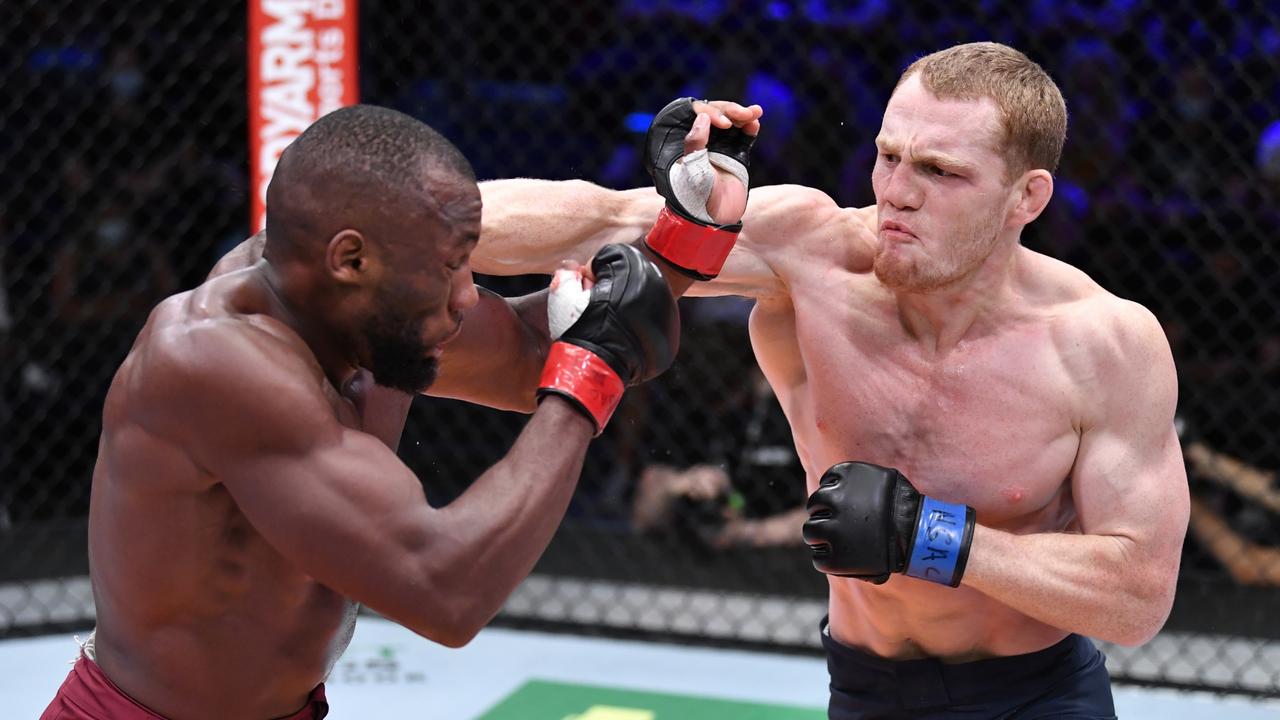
<point x="694" y="249"/>
<point x="583" y="378"/>
<point x="940" y="549"/>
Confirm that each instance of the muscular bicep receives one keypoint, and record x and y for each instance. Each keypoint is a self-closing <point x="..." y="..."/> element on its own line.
<point x="497" y="357"/>
<point x="1129" y="480"/>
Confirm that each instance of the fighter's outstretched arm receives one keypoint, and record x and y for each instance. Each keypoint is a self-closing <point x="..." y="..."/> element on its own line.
<point x="496" y="359"/>
<point x="1115" y="580"/>
<point x="248" y="407"/>
<point x="535" y="226"/>
<point x="531" y="226"/>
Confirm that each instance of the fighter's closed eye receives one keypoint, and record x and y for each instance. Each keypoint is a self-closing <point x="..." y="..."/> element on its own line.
<point x="460" y="264"/>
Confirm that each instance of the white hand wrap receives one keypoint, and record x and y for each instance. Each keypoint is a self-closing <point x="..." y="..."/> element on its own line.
<point x="566" y="301"/>
<point x="693" y="176"/>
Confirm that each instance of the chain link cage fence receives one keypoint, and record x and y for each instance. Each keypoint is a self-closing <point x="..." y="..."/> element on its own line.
<point x="122" y="143"/>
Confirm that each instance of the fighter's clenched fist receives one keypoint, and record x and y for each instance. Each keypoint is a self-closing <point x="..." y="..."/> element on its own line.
<point x="683" y="148"/>
<point x="628" y="332"/>
<point x="867" y="522"/>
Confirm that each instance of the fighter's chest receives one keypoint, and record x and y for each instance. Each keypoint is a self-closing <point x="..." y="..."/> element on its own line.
<point x="989" y="423"/>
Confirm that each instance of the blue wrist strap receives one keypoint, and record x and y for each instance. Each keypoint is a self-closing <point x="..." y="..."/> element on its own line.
<point x="940" y="541"/>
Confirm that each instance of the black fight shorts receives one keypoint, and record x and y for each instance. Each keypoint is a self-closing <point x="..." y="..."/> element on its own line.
<point x="1067" y="680"/>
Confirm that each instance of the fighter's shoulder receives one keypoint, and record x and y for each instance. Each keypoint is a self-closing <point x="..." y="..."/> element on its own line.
<point x="792" y="206"/>
<point x="1109" y="336"/>
<point x="800" y="217"/>
<point x="194" y="364"/>
<point x="241" y="256"/>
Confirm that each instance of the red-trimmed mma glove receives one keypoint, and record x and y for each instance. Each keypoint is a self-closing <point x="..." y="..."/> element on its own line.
<point x="685" y="235"/>
<point x="628" y="332"/>
<point x="867" y="522"/>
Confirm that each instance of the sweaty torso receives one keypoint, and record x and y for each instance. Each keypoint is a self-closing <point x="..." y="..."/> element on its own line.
<point x="992" y="422"/>
<point x="198" y="617"/>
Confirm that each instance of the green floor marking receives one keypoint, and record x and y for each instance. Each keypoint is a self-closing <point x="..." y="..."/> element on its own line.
<point x="542" y="700"/>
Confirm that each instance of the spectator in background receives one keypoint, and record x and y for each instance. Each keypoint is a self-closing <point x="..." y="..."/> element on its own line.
<point x="740" y="484"/>
<point x="201" y="197"/>
<point x="1102" y="114"/>
<point x="105" y="280"/>
<point x="108" y="276"/>
<point x="27" y="383"/>
<point x="1198" y="143"/>
<point x="1222" y="296"/>
<point x="644" y="446"/>
<point x="1227" y="308"/>
<point x="8" y="357"/>
<point x="652" y="50"/>
<point x="124" y="75"/>
<point x="1095" y="192"/>
<point x="6" y="320"/>
<point x="1240" y="529"/>
<point x="749" y="498"/>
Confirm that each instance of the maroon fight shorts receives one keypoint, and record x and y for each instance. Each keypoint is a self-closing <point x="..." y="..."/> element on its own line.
<point x="88" y="694"/>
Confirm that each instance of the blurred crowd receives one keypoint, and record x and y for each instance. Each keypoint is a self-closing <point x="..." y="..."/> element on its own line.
<point x="123" y="133"/>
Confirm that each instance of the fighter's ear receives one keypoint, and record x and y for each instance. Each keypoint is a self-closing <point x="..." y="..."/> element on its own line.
<point x="1034" y="189"/>
<point x="347" y="256"/>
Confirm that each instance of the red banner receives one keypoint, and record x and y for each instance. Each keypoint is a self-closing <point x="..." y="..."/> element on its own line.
<point x="302" y="65"/>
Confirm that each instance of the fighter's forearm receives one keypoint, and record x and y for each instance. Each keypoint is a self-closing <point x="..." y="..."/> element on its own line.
<point x="531" y="226"/>
<point x="1097" y="585"/>
<point x="498" y="358"/>
<point x="499" y="527"/>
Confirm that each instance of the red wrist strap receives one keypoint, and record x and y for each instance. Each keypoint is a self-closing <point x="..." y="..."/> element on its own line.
<point x="700" y="250"/>
<point x="581" y="376"/>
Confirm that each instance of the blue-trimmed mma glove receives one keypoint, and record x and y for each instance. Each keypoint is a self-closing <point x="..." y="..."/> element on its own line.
<point x="867" y="522"/>
<point x="684" y="234"/>
<point x="623" y="331"/>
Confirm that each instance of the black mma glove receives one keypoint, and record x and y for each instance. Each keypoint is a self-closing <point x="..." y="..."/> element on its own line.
<point x="867" y="521"/>
<point x="685" y="235"/>
<point x="629" y="332"/>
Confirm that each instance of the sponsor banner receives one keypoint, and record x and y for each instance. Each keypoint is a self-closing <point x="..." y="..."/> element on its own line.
<point x="302" y="65"/>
